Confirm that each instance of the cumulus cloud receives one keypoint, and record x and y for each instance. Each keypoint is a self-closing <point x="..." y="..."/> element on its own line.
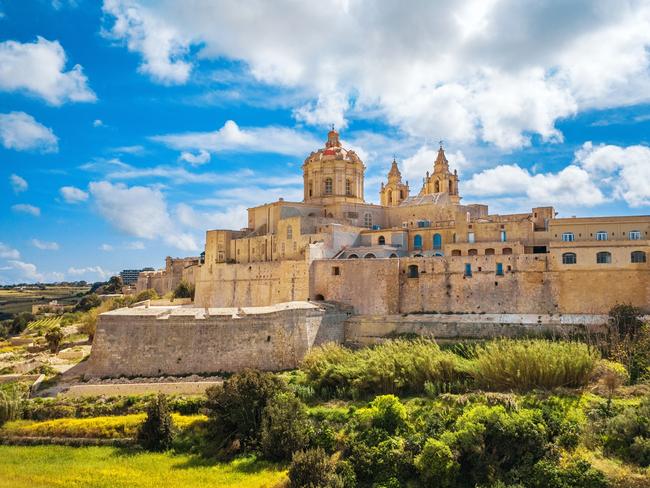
<point x="20" y="131"/>
<point x="197" y="159"/>
<point x="106" y="248"/>
<point x="72" y="194"/>
<point x="18" y="183"/>
<point x="7" y="252"/>
<point x="98" y="123"/>
<point x="45" y="245"/>
<point x="141" y="212"/>
<point x="469" y="70"/>
<point x="38" y="68"/>
<point x="91" y="270"/>
<point x="27" y="209"/>
<point x="231" y="137"/>
<point x="228" y="218"/>
<point x="29" y="272"/>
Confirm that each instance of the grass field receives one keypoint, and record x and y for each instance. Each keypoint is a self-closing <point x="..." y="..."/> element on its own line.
<point x="107" y="467"/>
<point x="15" y="301"/>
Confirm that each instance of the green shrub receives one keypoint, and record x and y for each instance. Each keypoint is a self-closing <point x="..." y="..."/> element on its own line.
<point x="575" y="474"/>
<point x="184" y="290"/>
<point x="285" y="427"/>
<point x="88" y="302"/>
<point x="378" y="458"/>
<point x="149" y="294"/>
<point x="235" y="407"/>
<point x="157" y="431"/>
<point x="627" y="435"/>
<point x="530" y="364"/>
<point x="384" y="412"/>
<point x="313" y="468"/>
<point x="10" y="406"/>
<point x="54" y="336"/>
<point x="437" y="464"/>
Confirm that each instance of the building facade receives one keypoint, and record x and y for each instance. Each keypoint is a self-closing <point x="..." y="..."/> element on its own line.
<point x="419" y="252"/>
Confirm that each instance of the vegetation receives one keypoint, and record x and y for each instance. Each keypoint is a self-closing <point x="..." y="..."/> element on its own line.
<point x="285" y="427"/>
<point x="184" y="290"/>
<point x="313" y="468"/>
<point x="10" y="405"/>
<point x="157" y="431"/>
<point x="54" y="336"/>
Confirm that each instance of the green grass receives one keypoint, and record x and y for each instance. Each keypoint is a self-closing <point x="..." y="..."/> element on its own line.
<point x="41" y="325"/>
<point x="107" y="467"/>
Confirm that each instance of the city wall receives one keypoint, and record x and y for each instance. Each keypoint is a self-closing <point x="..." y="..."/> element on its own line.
<point x="179" y="341"/>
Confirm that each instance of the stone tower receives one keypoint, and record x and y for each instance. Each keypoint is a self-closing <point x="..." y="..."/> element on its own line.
<point x="442" y="180"/>
<point x="333" y="174"/>
<point x="394" y="192"/>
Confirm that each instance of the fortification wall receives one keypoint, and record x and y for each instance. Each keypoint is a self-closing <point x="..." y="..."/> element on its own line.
<point x="177" y="341"/>
<point x="385" y="286"/>
<point x="251" y="284"/>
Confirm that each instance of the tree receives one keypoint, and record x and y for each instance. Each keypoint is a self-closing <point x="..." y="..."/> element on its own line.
<point x="157" y="431"/>
<point x="114" y="285"/>
<point x="313" y="468"/>
<point x="285" y="427"/>
<point x="54" y="336"/>
<point x="10" y="405"/>
<point x="184" y="290"/>
<point x="88" y="302"/>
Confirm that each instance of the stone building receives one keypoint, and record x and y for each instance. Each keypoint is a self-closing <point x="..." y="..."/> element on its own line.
<point x="166" y="280"/>
<point x="416" y="252"/>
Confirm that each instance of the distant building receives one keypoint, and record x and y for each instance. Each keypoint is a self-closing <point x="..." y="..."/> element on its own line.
<point x="52" y="307"/>
<point x="130" y="276"/>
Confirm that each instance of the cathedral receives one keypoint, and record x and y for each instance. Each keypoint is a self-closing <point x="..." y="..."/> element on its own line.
<point x="418" y="250"/>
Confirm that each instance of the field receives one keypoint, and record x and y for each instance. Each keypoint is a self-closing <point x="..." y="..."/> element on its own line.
<point x="14" y="301"/>
<point x="106" y="467"/>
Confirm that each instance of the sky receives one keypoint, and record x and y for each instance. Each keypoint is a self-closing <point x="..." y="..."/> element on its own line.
<point x="130" y="127"/>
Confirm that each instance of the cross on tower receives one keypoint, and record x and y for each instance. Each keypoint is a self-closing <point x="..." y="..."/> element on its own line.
<point x="441" y="142"/>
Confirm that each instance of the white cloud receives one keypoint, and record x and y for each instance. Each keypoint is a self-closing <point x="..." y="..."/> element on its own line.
<point x="30" y="273"/>
<point x="18" y="183"/>
<point x="500" y="71"/>
<point x="198" y="159"/>
<point x="137" y="149"/>
<point x="136" y="246"/>
<point x="229" y="218"/>
<point x="44" y="245"/>
<point x="91" y="270"/>
<point x="73" y="195"/>
<point x="26" y="208"/>
<point x="98" y="123"/>
<point x="20" y="131"/>
<point x="8" y="252"/>
<point x="141" y="212"/>
<point x="38" y="69"/>
<point x="106" y="248"/>
<point x="231" y="137"/>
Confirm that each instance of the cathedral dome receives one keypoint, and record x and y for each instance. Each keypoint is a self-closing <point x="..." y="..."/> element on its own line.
<point x="333" y="151"/>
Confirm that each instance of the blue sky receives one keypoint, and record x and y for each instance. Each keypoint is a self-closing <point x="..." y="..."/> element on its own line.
<point x="129" y="127"/>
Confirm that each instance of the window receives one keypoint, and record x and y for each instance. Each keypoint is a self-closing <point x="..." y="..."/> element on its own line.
<point x="381" y="241"/>
<point x="569" y="258"/>
<point x="470" y="237"/>
<point x="393" y="255"/>
<point x="348" y="187"/>
<point x="370" y="256"/>
<point x="417" y="241"/>
<point x="506" y="250"/>
<point x="413" y="271"/>
<point x="468" y="269"/>
<point x="472" y="252"/>
<point x="311" y="188"/>
<point x="503" y="236"/>
<point x="437" y="187"/>
<point x="328" y="186"/>
<point x="568" y="237"/>
<point x="603" y="257"/>
<point x="423" y="223"/>
<point x="489" y="251"/>
<point x="353" y="256"/>
<point x="601" y="235"/>
<point x="456" y="252"/>
<point x="499" y="269"/>
<point x="638" y="257"/>
<point x="635" y="235"/>
<point x="336" y="271"/>
<point x="437" y="241"/>
<point x="289" y="232"/>
<point x="367" y="220"/>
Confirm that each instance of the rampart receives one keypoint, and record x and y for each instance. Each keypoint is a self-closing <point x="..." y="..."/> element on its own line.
<point x="179" y="340"/>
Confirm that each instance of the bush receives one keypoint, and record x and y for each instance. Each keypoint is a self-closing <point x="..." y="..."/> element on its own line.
<point x="285" y="427"/>
<point x="529" y="364"/>
<point x="88" y="302"/>
<point x="157" y="431"/>
<point x="313" y="468"/>
<point x="437" y="464"/>
<point x="386" y="413"/>
<point x="54" y="336"/>
<point x="235" y="407"/>
<point x="575" y="474"/>
<point x="184" y="290"/>
<point x="10" y="406"/>
<point x="625" y="320"/>
<point x="627" y="435"/>
<point x="149" y="294"/>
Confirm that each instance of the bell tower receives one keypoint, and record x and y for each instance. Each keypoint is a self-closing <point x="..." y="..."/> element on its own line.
<point x="394" y="192"/>
<point x="442" y="180"/>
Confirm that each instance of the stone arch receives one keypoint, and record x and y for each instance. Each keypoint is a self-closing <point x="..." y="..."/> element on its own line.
<point x="381" y="241"/>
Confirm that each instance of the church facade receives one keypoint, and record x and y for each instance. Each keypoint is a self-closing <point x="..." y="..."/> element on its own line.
<point x="423" y="251"/>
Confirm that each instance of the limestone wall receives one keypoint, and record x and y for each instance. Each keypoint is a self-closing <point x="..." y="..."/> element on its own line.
<point x="177" y="341"/>
<point x="384" y="286"/>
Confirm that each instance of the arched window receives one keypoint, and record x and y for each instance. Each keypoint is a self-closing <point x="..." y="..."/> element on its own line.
<point x="353" y="256"/>
<point x="506" y="250"/>
<point x="311" y="188"/>
<point x="328" y="186"/>
<point x="381" y="241"/>
<point x="418" y="255"/>
<point x="489" y="251"/>
<point x="401" y="194"/>
<point x="289" y="232"/>
<point x="437" y="187"/>
<point x="456" y="252"/>
<point x="389" y="197"/>
<point x="451" y="187"/>
<point x="413" y="271"/>
<point x="370" y="256"/>
<point x="472" y="252"/>
<point x="437" y="241"/>
<point x="393" y="255"/>
<point x="417" y="241"/>
<point x="638" y="257"/>
<point x="348" y="187"/>
<point x="367" y="220"/>
<point x="603" y="257"/>
<point x="601" y="235"/>
<point x="569" y="258"/>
